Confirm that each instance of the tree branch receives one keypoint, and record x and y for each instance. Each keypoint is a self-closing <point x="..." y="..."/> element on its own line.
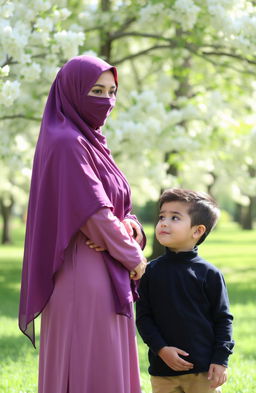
<point x="124" y="26"/>
<point x="20" y="116"/>
<point x="92" y="29"/>
<point x="8" y="61"/>
<point x="119" y="34"/>
<point x="173" y="43"/>
<point x="141" y="53"/>
<point x="216" y="64"/>
<point x="234" y="56"/>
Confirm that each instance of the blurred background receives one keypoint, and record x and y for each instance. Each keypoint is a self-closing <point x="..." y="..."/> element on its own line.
<point x="185" y="117"/>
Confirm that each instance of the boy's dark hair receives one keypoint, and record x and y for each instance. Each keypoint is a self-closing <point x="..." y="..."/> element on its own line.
<point x="202" y="210"/>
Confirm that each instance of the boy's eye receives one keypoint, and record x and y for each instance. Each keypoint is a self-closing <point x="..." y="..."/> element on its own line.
<point x="161" y="218"/>
<point x="175" y="218"/>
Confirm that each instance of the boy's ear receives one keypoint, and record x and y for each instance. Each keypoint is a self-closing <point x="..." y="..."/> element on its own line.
<point x="198" y="231"/>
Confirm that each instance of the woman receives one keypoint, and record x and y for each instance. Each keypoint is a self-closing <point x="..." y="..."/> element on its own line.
<point x="78" y="199"/>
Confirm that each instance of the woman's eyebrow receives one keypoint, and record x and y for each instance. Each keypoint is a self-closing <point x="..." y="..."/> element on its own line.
<point x="97" y="84"/>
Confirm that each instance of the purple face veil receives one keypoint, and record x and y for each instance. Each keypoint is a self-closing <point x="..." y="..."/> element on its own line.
<point x="73" y="176"/>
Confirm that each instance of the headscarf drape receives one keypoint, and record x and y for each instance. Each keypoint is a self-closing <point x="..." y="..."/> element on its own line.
<point x="73" y="176"/>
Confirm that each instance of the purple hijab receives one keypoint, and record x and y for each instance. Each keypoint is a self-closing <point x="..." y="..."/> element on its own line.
<point x="73" y="176"/>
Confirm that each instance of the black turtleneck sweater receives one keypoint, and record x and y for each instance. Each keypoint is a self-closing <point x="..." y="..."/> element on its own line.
<point x="184" y="303"/>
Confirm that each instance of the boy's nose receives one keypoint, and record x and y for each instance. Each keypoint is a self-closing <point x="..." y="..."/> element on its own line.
<point x="164" y="223"/>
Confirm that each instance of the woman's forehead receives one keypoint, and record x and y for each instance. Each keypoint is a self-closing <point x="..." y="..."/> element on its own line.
<point x="106" y="79"/>
<point x="86" y="70"/>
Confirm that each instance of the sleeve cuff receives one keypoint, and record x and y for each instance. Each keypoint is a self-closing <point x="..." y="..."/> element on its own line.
<point x="157" y="345"/>
<point x="220" y="356"/>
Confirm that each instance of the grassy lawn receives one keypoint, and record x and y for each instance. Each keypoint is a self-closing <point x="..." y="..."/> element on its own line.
<point x="229" y="248"/>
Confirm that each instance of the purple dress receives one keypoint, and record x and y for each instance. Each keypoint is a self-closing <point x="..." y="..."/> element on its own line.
<point x="86" y="347"/>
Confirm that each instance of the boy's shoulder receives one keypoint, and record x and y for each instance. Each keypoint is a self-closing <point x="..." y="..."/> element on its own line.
<point x="207" y="264"/>
<point x="198" y="262"/>
<point x="155" y="262"/>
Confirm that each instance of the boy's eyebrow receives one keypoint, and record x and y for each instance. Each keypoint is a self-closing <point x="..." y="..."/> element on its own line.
<point x="171" y="211"/>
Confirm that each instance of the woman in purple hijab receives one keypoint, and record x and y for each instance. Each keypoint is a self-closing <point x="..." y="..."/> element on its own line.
<point x="79" y="199"/>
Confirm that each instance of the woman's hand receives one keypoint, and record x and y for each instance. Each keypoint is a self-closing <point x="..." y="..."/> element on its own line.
<point x="133" y="229"/>
<point x="91" y="244"/>
<point x="139" y="270"/>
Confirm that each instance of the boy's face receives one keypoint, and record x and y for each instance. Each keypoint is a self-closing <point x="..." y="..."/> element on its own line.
<point x="174" y="230"/>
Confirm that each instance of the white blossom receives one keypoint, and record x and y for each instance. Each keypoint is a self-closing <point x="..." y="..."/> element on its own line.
<point x="186" y="13"/>
<point x="153" y="15"/>
<point x="90" y="53"/>
<point x="69" y="41"/>
<point x="21" y="142"/>
<point x="39" y="38"/>
<point x="150" y="12"/>
<point x="4" y="71"/>
<point x="44" y="24"/>
<point x="50" y="72"/>
<point x="25" y="58"/>
<point x="61" y="14"/>
<point x="41" y="5"/>
<point x="9" y="92"/>
<point x="31" y="72"/>
<point x="174" y="116"/>
<point x="6" y="10"/>
<point x="14" y="39"/>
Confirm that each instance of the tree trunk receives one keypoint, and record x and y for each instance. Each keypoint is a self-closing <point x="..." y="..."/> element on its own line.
<point x="183" y="90"/>
<point x="157" y="248"/>
<point x="105" y="41"/>
<point x="247" y="214"/>
<point x="6" y="205"/>
<point x="237" y="216"/>
<point x="210" y="186"/>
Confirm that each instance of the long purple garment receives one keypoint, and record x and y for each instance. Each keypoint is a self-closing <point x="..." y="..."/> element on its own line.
<point x="85" y="346"/>
<point x="73" y="177"/>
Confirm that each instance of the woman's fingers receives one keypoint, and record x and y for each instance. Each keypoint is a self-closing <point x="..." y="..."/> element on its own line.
<point x="139" y="270"/>
<point x="96" y="247"/>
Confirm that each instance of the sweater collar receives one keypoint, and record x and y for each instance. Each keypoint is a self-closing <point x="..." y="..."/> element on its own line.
<point x="182" y="255"/>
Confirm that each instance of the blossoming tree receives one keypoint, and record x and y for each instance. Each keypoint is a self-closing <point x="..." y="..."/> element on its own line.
<point x="186" y="84"/>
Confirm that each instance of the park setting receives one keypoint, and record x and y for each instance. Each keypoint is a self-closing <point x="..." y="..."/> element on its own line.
<point x="185" y="116"/>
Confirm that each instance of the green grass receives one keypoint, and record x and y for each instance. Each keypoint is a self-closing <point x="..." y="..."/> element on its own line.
<point x="229" y="248"/>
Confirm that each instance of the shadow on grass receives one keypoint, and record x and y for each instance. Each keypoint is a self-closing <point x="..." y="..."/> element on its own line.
<point x="13" y="348"/>
<point x="242" y="285"/>
<point x="242" y="293"/>
<point x="9" y="290"/>
<point x="231" y="242"/>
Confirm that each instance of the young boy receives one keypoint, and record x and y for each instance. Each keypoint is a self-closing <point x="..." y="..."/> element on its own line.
<point x="183" y="312"/>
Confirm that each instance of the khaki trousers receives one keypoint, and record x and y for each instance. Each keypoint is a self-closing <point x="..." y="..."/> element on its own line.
<point x="187" y="383"/>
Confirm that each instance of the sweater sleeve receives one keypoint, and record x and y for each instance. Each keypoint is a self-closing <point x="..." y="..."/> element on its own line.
<point x="144" y="240"/>
<point x="222" y="319"/>
<point x="144" y="318"/>
<point x="105" y="230"/>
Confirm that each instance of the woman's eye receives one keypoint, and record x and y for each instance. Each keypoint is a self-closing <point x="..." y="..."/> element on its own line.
<point x="112" y="93"/>
<point x="97" y="91"/>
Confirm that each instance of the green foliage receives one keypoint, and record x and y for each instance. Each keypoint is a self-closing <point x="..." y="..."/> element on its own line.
<point x="229" y="248"/>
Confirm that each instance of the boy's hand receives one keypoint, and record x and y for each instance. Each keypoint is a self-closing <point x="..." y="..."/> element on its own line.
<point x="170" y="355"/>
<point x="217" y="374"/>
